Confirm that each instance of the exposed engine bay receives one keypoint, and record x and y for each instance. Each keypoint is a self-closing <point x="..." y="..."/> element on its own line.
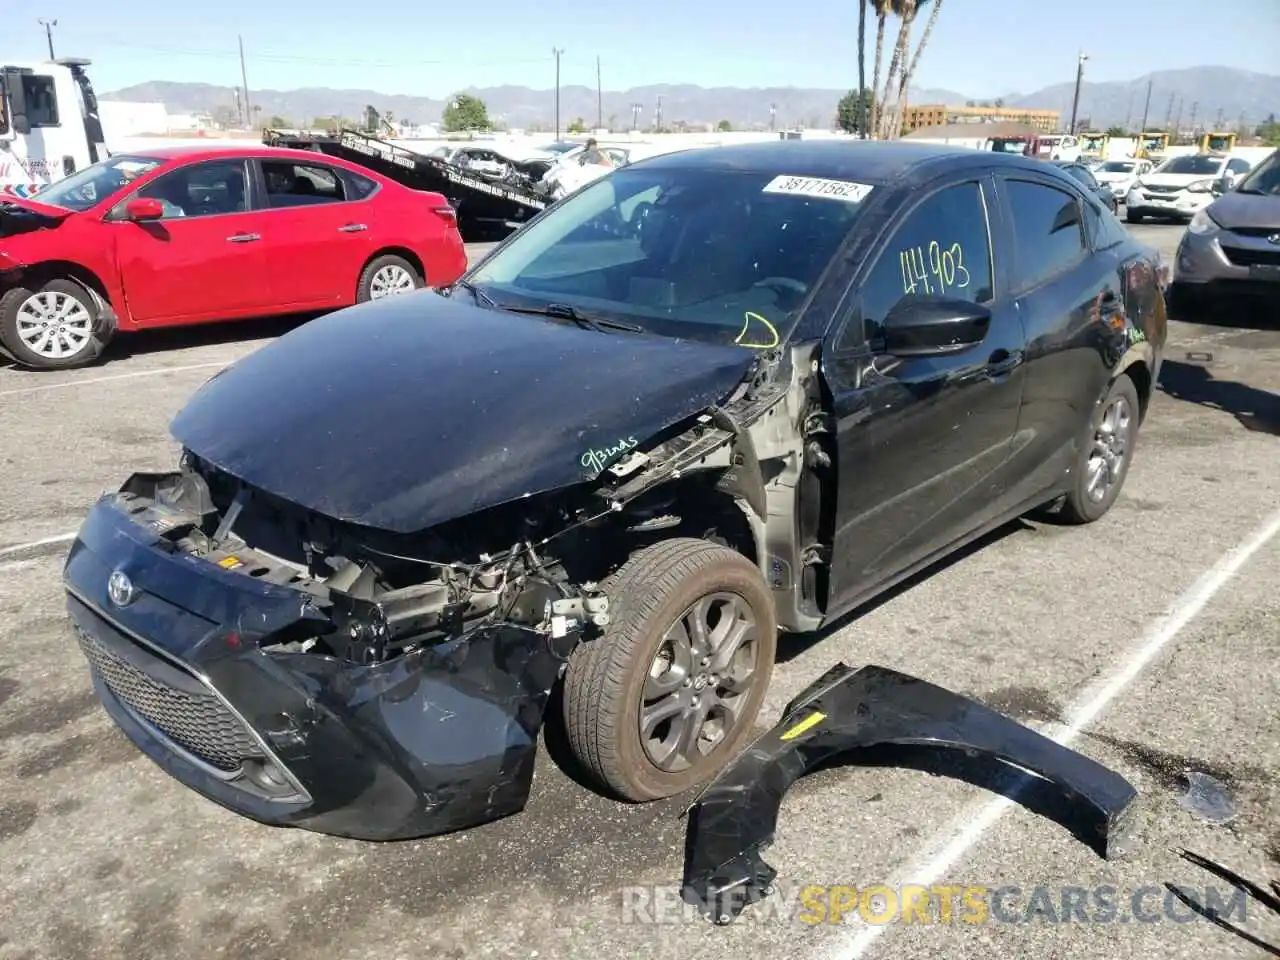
<point x="537" y="562"/>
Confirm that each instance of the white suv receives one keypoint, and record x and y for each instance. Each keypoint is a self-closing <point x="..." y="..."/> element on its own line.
<point x="1181" y="186"/>
<point x="1122" y="175"/>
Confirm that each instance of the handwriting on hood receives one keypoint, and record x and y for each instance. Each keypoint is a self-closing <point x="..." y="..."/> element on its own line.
<point x="595" y="460"/>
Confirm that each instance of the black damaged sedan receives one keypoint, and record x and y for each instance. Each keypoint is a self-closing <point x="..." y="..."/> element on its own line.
<point x="709" y="399"/>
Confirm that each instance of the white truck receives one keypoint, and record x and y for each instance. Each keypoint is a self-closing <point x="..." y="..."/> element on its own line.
<point x="49" y="124"/>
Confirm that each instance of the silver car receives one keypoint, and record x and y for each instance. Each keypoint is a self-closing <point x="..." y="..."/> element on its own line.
<point x="1233" y="245"/>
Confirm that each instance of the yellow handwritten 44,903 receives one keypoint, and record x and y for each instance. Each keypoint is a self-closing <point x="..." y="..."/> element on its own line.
<point x="934" y="269"/>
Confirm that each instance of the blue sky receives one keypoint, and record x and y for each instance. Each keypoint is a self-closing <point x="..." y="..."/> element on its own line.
<point x="983" y="48"/>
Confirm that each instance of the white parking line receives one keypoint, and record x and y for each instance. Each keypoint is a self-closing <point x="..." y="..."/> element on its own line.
<point x="33" y="544"/>
<point x="950" y="845"/>
<point x="118" y="376"/>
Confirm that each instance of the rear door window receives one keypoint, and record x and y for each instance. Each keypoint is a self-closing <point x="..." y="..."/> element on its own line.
<point x="302" y="184"/>
<point x="941" y="249"/>
<point x="1048" y="232"/>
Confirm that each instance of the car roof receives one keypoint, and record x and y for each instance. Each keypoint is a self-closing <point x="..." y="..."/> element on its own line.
<point x="868" y="161"/>
<point x="214" y="152"/>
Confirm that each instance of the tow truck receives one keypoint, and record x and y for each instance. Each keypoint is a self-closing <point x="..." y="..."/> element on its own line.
<point x="49" y="123"/>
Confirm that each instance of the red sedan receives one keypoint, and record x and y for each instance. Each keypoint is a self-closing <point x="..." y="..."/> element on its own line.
<point x="185" y="235"/>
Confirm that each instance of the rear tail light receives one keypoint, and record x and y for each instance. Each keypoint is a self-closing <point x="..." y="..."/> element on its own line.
<point x="446" y="212"/>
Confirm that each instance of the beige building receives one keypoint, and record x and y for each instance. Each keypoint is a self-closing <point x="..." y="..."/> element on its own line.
<point x="937" y="114"/>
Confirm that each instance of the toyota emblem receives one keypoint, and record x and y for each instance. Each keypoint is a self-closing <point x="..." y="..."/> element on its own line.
<point x="120" y="589"/>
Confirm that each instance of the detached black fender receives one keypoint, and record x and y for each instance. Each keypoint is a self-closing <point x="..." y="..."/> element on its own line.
<point x="734" y="819"/>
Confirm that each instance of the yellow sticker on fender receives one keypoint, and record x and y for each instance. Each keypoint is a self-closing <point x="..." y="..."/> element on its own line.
<point x="805" y="725"/>
<point x="230" y="563"/>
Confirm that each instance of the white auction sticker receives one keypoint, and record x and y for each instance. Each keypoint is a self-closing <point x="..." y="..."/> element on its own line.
<point x="816" y="187"/>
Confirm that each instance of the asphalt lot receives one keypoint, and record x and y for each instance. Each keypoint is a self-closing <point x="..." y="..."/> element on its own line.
<point x="103" y="856"/>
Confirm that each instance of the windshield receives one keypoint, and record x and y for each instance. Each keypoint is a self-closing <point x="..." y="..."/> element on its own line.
<point x="1200" y="166"/>
<point x="90" y="186"/>
<point x="722" y="257"/>
<point x="1264" y="178"/>
<point x="1117" y="166"/>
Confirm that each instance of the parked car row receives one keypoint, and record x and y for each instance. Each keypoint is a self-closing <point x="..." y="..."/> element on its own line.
<point x="187" y="235"/>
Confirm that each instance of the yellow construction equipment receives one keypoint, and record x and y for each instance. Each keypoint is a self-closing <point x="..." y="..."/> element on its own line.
<point x="1093" y="143"/>
<point x="1217" y="142"/>
<point x="1153" y="142"/>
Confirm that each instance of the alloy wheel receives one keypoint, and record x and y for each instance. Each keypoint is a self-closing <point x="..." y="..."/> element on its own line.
<point x="698" y="680"/>
<point x="54" y="325"/>
<point x="1111" y="441"/>
<point x="389" y="281"/>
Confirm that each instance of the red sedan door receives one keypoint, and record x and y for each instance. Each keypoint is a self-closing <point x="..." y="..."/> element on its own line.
<point x="319" y="236"/>
<point x="205" y="259"/>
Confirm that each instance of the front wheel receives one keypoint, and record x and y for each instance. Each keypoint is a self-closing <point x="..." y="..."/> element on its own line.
<point x="57" y="327"/>
<point x="1131" y="216"/>
<point x="387" y="276"/>
<point x="660" y="702"/>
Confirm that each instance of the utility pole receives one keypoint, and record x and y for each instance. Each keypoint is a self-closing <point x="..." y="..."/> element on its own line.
<point x="1218" y="123"/>
<point x="1195" y="108"/>
<point x="1177" y="123"/>
<point x="657" y="116"/>
<point x="1075" y="103"/>
<point x="244" y="79"/>
<point x="773" y="117"/>
<point x="48" y="33"/>
<point x="556" y="52"/>
<point x="599" y="98"/>
<point x="1146" y="109"/>
<point x="1128" y="114"/>
<point x="635" y="115"/>
<point x="1168" y="114"/>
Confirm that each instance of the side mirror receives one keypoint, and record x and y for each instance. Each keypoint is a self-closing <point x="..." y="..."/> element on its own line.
<point x="934" y="326"/>
<point x="15" y="95"/>
<point x="1222" y="185"/>
<point x="143" y="209"/>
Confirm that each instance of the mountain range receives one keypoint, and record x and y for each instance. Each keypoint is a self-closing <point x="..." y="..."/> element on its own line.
<point x="1217" y="95"/>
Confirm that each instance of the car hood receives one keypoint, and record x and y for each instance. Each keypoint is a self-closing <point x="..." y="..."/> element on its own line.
<point x="404" y="413"/>
<point x="20" y="215"/>
<point x="1233" y="210"/>
<point x="1176" y="179"/>
<point x="1113" y="176"/>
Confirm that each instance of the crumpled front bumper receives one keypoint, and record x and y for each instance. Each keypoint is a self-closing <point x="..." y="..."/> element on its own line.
<point x="437" y="740"/>
<point x="846" y="710"/>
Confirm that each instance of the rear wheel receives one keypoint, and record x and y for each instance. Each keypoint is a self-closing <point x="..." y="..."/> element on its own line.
<point x="1105" y="454"/>
<point x="55" y="327"/>
<point x="660" y="702"/>
<point x="388" y="276"/>
<point x="1131" y="216"/>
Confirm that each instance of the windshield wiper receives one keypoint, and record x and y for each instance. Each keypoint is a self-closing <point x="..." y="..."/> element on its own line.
<point x="565" y="312"/>
<point x="1253" y="190"/>
<point x="481" y="297"/>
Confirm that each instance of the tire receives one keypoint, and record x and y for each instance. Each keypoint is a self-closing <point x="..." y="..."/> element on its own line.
<point x="84" y="332"/>
<point x="388" y="268"/>
<point x="606" y="678"/>
<point x="1131" y="216"/>
<point x="1186" y="303"/>
<point x="1120" y="407"/>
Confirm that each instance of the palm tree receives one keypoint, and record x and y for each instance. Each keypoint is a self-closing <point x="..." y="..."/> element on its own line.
<point x="883" y="8"/>
<point x="909" y="71"/>
<point x="862" y="69"/>
<point x="905" y="10"/>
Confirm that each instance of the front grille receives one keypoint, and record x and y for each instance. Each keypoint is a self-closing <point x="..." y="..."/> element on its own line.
<point x="1263" y="232"/>
<point x="1162" y="189"/>
<point x="1248" y="258"/>
<point x="201" y="724"/>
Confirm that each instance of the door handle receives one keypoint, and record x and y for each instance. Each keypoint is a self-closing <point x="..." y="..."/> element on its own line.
<point x="352" y="228"/>
<point x="1002" y="363"/>
<point x="244" y="238"/>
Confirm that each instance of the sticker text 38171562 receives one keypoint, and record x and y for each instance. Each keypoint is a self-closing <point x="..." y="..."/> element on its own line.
<point x="933" y="270"/>
<point x="845" y="190"/>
